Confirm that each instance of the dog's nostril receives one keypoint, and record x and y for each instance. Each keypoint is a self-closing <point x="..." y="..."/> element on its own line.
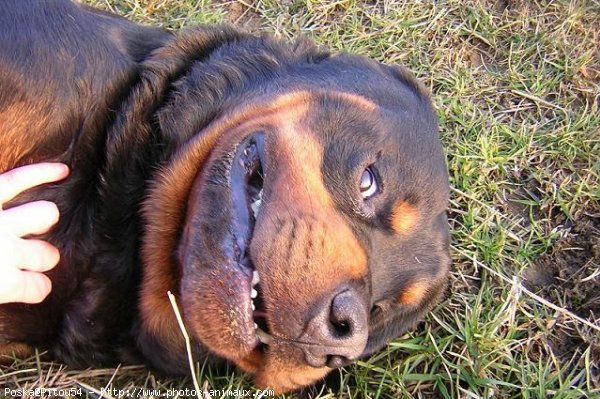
<point x="344" y="314"/>
<point x="341" y="329"/>
<point x="338" y="333"/>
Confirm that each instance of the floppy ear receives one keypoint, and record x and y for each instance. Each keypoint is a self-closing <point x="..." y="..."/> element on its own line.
<point x="408" y="78"/>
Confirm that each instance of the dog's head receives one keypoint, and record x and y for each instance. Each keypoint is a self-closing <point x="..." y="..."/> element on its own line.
<point x="304" y="225"/>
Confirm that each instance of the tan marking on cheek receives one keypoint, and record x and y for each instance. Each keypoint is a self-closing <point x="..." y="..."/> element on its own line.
<point x="347" y="253"/>
<point x="404" y="217"/>
<point x="413" y="294"/>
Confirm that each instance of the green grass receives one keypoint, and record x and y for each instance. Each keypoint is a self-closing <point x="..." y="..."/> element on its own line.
<point x="516" y="85"/>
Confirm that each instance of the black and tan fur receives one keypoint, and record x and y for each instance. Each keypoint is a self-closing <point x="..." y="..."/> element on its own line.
<point x="149" y="123"/>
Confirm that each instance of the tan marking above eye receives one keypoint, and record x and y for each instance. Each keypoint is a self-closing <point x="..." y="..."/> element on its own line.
<point x="356" y="100"/>
<point x="404" y="217"/>
<point x="413" y="293"/>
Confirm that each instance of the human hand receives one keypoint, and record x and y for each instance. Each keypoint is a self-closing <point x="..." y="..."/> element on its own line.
<point x="22" y="260"/>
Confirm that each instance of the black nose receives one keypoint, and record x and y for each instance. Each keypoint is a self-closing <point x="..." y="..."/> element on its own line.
<point x="338" y="333"/>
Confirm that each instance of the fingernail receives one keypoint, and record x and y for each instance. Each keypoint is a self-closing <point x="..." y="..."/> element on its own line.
<point x="66" y="169"/>
<point x="47" y="288"/>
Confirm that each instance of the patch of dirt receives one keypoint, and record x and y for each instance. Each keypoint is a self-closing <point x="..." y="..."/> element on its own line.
<point x="511" y="201"/>
<point x="241" y="15"/>
<point x="482" y="55"/>
<point x="568" y="274"/>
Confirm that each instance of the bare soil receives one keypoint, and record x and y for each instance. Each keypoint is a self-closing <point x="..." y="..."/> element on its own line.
<point x="568" y="275"/>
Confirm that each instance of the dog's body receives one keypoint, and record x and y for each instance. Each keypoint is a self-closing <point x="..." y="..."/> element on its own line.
<point x="202" y="158"/>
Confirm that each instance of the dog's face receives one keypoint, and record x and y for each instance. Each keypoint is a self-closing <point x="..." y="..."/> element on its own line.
<point x="314" y="232"/>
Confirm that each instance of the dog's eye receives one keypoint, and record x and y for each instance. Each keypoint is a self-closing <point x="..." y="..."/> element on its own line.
<point x="368" y="184"/>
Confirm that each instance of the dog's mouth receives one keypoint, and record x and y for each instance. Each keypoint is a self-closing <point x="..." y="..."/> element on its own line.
<point x="220" y="285"/>
<point x="247" y="178"/>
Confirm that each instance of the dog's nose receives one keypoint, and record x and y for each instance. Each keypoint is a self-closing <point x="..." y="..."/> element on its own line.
<point x="338" y="333"/>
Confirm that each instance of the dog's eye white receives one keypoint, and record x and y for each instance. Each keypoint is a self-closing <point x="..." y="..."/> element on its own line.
<point x="368" y="184"/>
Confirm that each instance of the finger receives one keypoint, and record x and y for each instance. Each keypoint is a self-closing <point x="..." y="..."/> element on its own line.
<point x="37" y="255"/>
<point x="20" y="179"/>
<point x="24" y="286"/>
<point x="30" y="218"/>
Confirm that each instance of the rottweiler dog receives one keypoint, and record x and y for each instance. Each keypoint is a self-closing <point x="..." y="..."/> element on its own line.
<point x="292" y="199"/>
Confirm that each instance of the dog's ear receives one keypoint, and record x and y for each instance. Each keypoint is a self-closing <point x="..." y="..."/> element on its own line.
<point x="407" y="77"/>
<point x="391" y="86"/>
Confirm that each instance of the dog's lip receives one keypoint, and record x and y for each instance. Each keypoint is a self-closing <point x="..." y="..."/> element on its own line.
<point x="249" y="155"/>
<point x="241" y="170"/>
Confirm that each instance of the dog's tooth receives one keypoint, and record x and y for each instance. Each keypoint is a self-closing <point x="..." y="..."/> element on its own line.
<point x="253" y="305"/>
<point x="253" y="293"/>
<point x="263" y="336"/>
<point x="257" y="204"/>
<point x="255" y="278"/>
<point x="256" y="207"/>
<point x="256" y="326"/>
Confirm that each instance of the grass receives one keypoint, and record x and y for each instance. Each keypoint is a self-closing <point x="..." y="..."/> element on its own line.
<point x="516" y="84"/>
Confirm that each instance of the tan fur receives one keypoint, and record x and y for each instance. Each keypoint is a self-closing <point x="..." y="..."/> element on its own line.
<point x="404" y="217"/>
<point x="414" y="293"/>
<point x="282" y="372"/>
<point x="357" y="101"/>
<point x="11" y="350"/>
<point x="17" y="122"/>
